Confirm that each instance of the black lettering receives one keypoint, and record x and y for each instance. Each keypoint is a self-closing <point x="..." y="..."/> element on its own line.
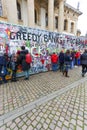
<point x="29" y="36"/>
<point x="34" y="37"/>
<point x="51" y="37"/>
<point x="39" y="37"/>
<point x="18" y="35"/>
<point x="12" y="36"/>
<point x="45" y="38"/>
<point x="24" y="36"/>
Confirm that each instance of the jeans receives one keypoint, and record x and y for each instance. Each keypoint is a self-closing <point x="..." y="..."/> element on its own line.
<point x="27" y="74"/>
<point x="54" y="66"/>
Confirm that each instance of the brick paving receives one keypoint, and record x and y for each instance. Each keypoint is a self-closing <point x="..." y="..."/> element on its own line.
<point x="67" y="111"/>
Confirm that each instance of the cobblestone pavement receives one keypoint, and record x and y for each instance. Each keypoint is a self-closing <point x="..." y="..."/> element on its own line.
<point x="67" y="111"/>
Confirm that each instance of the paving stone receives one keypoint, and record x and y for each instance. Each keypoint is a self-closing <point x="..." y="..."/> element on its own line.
<point x="3" y="127"/>
<point x="85" y="127"/>
<point x="30" y="127"/>
<point x="80" y="118"/>
<point x="39" y="126"/>
<point x="61" y="119"/>
<point x="59" y="123"/>
<point x="78" y="128"/>
<point x="64" y="128"/>
<point x="64" y="112"/>
<point x="24" y="127"/>
<point x="57" y="128"/>
<point x="45" y="126"/>
<point x="16" y="128"/>
<point x="74" y="116"/>
<point x="73" y="121"/>
<point x="52" y="126"/>
<point x="9" y="129"/>
<point x="34" y="123"/>
<point x="80" y="123"/>
<point x="48" y="120"/>
<point x="66" y="123"/>
<point x="72" y="126"/>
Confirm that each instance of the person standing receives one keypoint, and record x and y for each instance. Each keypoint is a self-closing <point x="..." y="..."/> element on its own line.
<point x="54" y="61"/>
<point x="3" y="68"/>
<point x="83" y="60"/>
<point x="14" y="65"/>
<point x="24" y="60"/>
<point x="61" y="60"/>
<point x="67" y="60"/>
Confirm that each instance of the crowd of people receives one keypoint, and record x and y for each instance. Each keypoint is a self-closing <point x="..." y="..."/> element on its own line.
<point x="68" y="60"/>
<point x="63" y="61"/>
<point x="13" y="61"/>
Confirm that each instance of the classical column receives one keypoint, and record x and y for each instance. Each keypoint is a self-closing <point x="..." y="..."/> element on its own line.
<point x="61" y="16"/>
<point x="4" y="8"/>
<point x="75" y="28"/>
<point x="42" y="18"/>
<point x="12" y="11"/>
<point x="69" y="25"/>
<point x="30" y="6"/>
<point x="24" y="12"/>
<point x="51" y="15"/>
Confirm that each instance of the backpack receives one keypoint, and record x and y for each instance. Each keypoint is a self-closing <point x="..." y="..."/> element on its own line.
<point x="28" y="58"/>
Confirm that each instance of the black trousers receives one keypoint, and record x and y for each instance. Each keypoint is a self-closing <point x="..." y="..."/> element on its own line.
<point x="84" y="69"/>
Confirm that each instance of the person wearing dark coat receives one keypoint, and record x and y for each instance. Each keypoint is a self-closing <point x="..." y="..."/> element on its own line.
<point x="67" y="60"/>
<point x="83" y="60"/>
<point x="25" y="65"/>
<point x="61" y="60"/>
<point x="3" y="68"/>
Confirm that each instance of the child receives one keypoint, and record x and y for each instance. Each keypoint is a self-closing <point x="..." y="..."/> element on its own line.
<point x="14" y="67"/>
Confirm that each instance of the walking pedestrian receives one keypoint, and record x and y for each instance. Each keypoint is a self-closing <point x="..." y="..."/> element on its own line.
<point x="83" y="60"/>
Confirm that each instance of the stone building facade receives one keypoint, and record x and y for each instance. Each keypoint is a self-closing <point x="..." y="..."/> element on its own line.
<point x="52" y="15"/>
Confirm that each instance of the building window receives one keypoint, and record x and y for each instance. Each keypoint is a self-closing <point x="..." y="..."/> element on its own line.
<point x="72" y="27"/>
<point x="46" y="17"/>
<point x="35" y="16"/>
<point x="65" y="24"/>
<point x="56" y="22"/>
<point x="0" y="8"/>
<point x="19" y="11"/>
<point x="67" y="12"/>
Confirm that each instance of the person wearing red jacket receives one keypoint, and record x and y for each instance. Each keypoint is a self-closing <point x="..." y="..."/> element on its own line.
<point x="77" y="58"/>
<point x="54" y="61"/>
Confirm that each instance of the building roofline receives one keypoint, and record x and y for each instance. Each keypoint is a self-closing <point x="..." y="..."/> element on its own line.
<point x="72" y="8"/>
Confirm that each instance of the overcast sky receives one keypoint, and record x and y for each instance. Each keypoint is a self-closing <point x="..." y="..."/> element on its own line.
<point x="82" y="21"/>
